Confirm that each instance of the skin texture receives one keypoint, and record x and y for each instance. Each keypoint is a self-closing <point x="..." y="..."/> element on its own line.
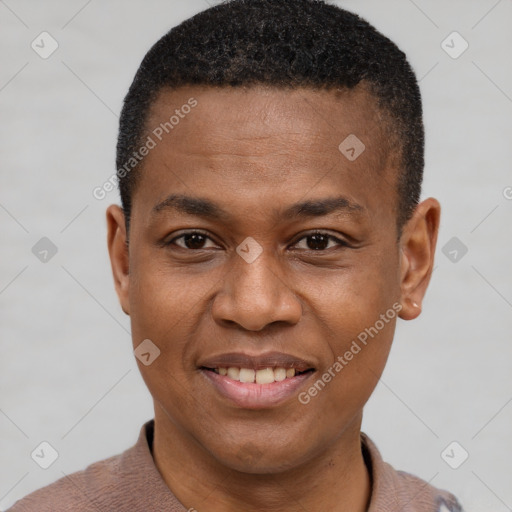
<point x="255" y="152"/>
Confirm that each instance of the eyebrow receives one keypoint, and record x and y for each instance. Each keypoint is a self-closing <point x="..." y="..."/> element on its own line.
<point x="209" y="210"/>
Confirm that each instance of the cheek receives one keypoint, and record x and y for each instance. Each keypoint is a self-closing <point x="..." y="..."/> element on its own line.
<point x="359" y="342"/>
<point x="354" y="298"/>
<point x="160" y="311"/>
<point x="163" y="299"/>
<point x="359" y="330"/>
<point x="356" y="315"/>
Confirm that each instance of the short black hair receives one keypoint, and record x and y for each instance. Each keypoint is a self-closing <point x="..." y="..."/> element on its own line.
<point x="285" y="44"/>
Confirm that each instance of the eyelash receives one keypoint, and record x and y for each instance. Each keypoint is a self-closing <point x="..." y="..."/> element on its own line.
<point x="341" y="243"/>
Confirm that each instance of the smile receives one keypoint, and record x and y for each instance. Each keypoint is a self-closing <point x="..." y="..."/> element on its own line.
<point x="256" y="382"/>
<point x="265" y="376"/>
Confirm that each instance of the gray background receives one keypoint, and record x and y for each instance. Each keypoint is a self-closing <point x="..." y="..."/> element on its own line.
<point x="67" y="373"/>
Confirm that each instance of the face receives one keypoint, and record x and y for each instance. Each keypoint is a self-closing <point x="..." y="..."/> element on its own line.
<point x="260" y="249"/>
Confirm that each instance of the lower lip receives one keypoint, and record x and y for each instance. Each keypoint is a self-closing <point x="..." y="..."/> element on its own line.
<point x="256" y="396"/>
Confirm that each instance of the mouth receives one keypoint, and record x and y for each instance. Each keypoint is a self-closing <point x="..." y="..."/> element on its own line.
<point x="264" y="376"/>
<point x="256" y="382"/>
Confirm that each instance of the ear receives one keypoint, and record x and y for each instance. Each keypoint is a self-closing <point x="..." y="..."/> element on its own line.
<point x="118" y="251"/>
<point x="417" y="248"/>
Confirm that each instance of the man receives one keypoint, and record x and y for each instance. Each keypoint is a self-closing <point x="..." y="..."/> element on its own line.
<point x="270" y="160"/>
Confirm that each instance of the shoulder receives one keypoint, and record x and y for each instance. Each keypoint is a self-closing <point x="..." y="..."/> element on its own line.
<point x="422" y="495"/>
<point x="129" y="481"/>
<point x="397" y="490"/>
<point x="109" y="484"/>
<point x="78" y="491"/>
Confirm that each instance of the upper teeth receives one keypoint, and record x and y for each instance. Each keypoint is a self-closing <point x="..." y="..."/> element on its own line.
<point x="265" y="376"/>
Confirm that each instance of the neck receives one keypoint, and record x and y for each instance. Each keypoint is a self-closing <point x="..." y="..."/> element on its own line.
<point x="337" y="480"/>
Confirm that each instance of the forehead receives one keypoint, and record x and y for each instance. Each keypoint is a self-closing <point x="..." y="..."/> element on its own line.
<point x="235" y="138"/>
<point x="269" y="112"/>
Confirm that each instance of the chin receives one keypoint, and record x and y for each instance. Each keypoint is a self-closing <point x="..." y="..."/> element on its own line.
<point x="255" y="459"/>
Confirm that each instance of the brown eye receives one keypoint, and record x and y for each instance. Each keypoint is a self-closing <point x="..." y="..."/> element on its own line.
<point x="319" y="242"/>
<point x="193" y="241"/>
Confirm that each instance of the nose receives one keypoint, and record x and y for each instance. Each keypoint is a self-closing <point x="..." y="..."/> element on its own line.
<point x="255" y="295"/>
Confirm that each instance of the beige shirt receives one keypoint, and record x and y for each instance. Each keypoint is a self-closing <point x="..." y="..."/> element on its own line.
<point x="131" y="482"/>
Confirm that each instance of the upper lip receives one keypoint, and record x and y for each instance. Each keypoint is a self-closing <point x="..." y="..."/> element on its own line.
<point x="256" y="361"/>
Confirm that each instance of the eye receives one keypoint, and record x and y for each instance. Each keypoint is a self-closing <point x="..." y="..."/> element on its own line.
<point x="320" y="241"/>
<point x="193" y="240"/>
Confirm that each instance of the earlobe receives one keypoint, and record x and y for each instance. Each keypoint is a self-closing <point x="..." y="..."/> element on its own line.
<point x="118" y="251"/>
<point x="417" y="246"/>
